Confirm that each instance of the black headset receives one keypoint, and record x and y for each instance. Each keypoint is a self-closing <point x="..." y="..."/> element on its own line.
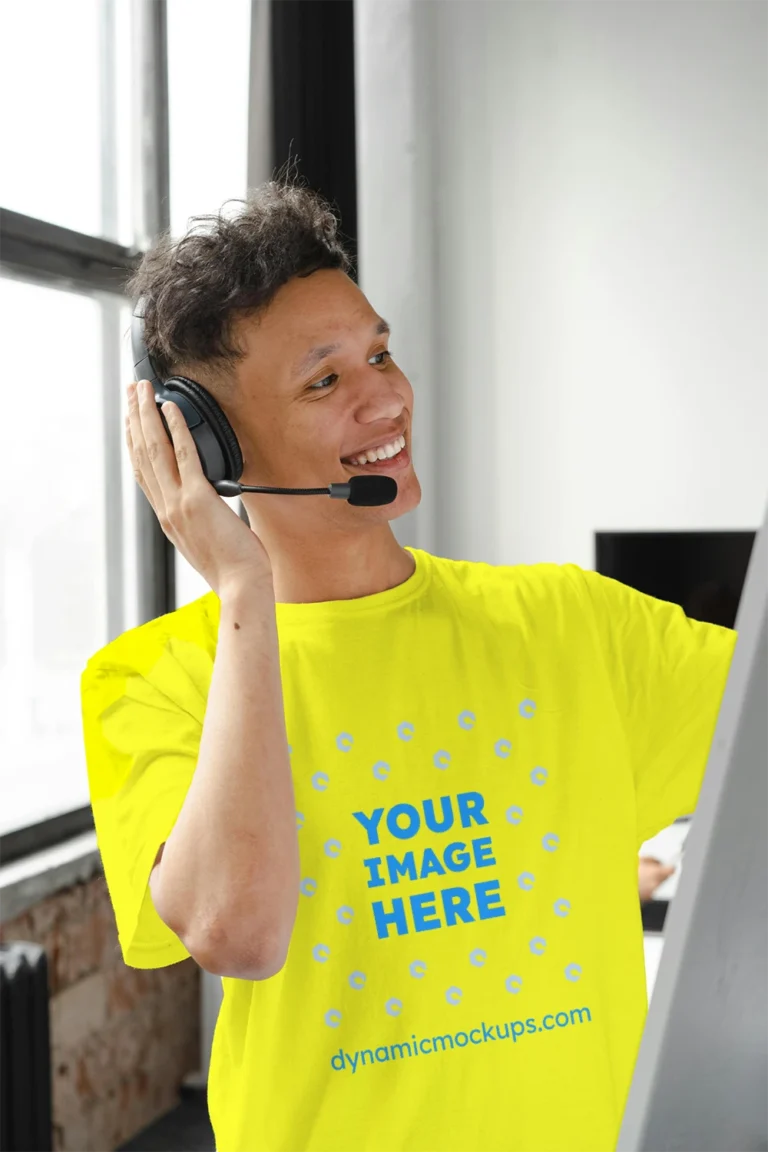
<point x="217" y="445"/>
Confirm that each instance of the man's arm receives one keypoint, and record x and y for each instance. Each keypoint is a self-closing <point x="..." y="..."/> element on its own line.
<point x="666" y="674"/>
<point x="651" y="873"/>
<point x="226" y="881"/>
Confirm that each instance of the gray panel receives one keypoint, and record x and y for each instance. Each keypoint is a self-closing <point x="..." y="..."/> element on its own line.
<point x="701" y="1076"/>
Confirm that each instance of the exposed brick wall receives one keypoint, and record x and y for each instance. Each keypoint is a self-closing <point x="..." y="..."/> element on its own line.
<point x="122" y="1039"/>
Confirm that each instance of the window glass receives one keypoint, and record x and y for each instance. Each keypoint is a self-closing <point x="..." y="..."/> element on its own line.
<point x="53" y="550"/>
<point x="208" y="127"/>
<point x="208" y="62"/>
<point x="65" y="136"/>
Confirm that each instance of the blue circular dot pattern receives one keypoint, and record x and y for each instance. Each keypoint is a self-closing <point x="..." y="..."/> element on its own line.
<point x="429" y="865"/>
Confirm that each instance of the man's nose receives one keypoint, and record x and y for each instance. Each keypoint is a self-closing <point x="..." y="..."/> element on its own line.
<point x="380" y="398"/>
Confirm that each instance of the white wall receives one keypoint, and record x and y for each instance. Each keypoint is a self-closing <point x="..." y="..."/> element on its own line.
<point x="394" y="118"/>
<point x="579" y="291"/>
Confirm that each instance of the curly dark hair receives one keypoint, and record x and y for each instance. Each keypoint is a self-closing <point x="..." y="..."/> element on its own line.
<point x="227" y="268"/>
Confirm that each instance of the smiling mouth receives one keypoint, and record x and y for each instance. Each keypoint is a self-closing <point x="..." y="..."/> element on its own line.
<point x="362" y="457"/>
<point x="393" y="464"/>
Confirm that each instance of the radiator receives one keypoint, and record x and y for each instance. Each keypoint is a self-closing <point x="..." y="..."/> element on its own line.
<point x="25" y="1049"/>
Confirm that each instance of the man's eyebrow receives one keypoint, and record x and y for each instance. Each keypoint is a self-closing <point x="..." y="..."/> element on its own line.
<point x="315" y="355"/>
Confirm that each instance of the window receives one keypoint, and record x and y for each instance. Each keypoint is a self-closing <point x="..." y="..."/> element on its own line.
<point x="94" y="164"/>
<point x="69" y="581"/>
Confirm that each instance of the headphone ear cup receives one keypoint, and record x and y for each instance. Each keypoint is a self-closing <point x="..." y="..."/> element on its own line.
<point x="217" y="445"/>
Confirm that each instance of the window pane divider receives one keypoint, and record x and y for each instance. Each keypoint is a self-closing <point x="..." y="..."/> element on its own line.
<point x="50" y="252"/>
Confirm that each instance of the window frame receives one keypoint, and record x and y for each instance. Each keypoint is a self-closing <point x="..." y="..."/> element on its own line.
<point x="38" y="251"/>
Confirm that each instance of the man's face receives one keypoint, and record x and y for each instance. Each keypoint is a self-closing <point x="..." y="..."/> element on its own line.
<point x="301" y="408"/>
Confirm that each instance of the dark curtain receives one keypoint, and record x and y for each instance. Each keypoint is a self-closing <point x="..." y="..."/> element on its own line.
<point x="313" y="100"/>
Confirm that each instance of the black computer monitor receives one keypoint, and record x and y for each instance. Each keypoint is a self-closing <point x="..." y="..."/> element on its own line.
<point x="703" y="572"/>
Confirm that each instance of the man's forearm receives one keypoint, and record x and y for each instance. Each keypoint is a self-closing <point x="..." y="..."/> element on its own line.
<point x="228" y="881"/>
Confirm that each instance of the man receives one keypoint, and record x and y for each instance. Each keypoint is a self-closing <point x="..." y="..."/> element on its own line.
<point x="394" y="800"/>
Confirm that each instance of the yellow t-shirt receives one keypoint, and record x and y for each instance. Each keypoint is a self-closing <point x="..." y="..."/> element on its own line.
<point x="477" y="756"/>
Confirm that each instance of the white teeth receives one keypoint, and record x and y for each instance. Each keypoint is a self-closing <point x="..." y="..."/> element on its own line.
<point x="386" y="452"/>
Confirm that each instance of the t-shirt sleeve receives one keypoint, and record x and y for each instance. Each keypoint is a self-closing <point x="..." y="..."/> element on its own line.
<point x="668" y="674"/>
<point x="142" y="723"/>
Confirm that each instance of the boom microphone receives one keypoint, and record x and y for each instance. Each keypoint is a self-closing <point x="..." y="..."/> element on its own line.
<point x="363" y="491"/>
